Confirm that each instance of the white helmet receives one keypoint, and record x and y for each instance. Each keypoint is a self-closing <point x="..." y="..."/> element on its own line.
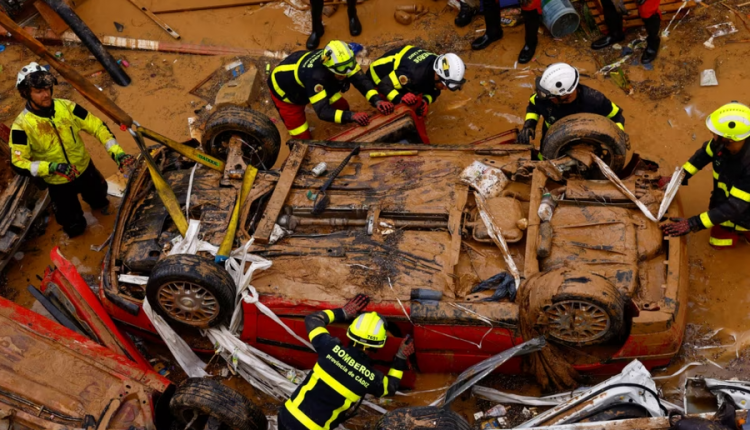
<point x="450" y="69"/>
<point x="27" y="70"/>
<point x="558" y="80"/>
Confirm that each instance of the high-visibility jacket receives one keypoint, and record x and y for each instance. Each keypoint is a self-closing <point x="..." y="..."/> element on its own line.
<point x="340" y="379"/>
<point x="588" y="100"/>
<point x="405" y="70"/>
<point x="37" y="141"/>
<point x="730" y="199"/>
<point x="301" y="78"/>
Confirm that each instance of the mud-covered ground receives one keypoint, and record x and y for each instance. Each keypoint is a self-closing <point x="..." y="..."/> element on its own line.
<point x="665" y="116"/>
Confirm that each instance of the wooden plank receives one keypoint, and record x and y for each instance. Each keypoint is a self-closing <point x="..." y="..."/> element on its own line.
<point x="156" y="19"/>
<point x="174" y="6"/>
<point x="52" y="18"/>
<point x="454" y="225"/>
<point x="531" y="264"/>
<point x="273" y="209"/>
<point x="18" y="197"/>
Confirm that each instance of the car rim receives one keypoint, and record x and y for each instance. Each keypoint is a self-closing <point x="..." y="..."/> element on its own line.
<point x="253" y="152"/>
<point x="577" y="321"/>
<point x="188" y="303"/>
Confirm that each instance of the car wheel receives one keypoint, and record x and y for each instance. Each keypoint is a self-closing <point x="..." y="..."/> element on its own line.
<point x="593" y="132"/>
<point x="200" y="400"/>
<point x="585" y="310"/>
<point x="422" y="418"/>
<point x="191" y="290"/>
<point x="617" y="412"/>
<point x="261" y="140"/>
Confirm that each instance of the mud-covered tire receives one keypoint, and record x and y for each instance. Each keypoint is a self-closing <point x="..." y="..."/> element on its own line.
<point x="611" y="144"/>
<point x="209" y="398"/>
<point x="597" y="308"/>
<point x="422" y="418"/>
<point x="257" y="131"/>
<point x="191" y="291"/>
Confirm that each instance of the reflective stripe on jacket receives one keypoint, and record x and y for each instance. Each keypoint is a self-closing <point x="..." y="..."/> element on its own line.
<point x="405" y="70"/>
<point x="37" y="141"/>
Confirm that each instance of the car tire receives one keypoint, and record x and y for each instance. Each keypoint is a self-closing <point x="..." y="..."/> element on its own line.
<point x="586" y="310"/>
<point x="191" y="291"/>
<point x="208" y="398"/>
<point x="610" y="143"/>
<point x="422" y="418"/>
<point x="257" y="130"/>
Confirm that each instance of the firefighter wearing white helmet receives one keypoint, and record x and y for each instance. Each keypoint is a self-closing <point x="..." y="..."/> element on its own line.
<point x="728" y="214"/>
<point x="559" y="94"/>
<point x="415" y="76"/>
<point x="45" y="143"/>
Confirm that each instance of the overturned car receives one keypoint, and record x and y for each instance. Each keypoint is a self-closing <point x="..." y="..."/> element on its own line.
<point x="396" y="222"/>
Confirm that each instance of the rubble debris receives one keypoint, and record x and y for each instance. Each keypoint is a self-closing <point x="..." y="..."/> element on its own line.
<point x="119" y="27"/>
<point x="708" y="78"/>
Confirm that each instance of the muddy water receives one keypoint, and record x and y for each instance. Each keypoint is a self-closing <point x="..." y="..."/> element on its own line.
<point x="665" y="115"/>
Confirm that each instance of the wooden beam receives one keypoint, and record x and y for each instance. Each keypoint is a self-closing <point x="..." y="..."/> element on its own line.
<point x="273" y="209"/>
<point x="52" y="18"/>
<point x="531" y="264"/>
<point x="461" y="194"/>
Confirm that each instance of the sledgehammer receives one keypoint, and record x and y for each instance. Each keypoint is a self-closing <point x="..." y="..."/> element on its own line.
<point x="321" y="199"/>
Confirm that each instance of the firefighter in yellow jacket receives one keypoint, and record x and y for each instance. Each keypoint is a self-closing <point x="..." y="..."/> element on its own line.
<point x="45" y="143"/>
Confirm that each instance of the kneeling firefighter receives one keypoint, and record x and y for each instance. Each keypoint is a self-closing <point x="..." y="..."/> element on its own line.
<point x="406" y="73"/>
<point x="559" y="94"/>
<point x="728" y="214"/>
<point x="319" y="78"/>
<point x="335" y="387"/>
<point x="45" y="143"/>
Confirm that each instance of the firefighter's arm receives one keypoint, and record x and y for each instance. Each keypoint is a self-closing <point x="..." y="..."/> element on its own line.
<point x="532" y="113"/>
<point x="316" y="323"/>
<point x="613" y="112"/>
<point x="365" y="86"/>
<point x="392" y="87"/>
<point x="387" y="385"/>
<point x="20" y="152"/>
<point x="320" y="96"/>
<point x="700" y="159"/>
<point x="431" y="96"/>
<point x="94" y="126"/>
<point x="737" y="204"/>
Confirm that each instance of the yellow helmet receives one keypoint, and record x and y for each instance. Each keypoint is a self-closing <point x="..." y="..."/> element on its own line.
<point x="339" y="58"/>
<point x="369" y="329"/>
<point x="731" y="121"/>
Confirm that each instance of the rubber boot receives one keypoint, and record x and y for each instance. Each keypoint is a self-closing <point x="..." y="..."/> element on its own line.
<point x="494" y="31"/>
<point x="316" y="10"/>
<point x="355" y="27"/>
<point x="652" y="40"/>
<point x="465" y="15"/>
<point x="613" y="19"/>
<point x="531" y="21"/>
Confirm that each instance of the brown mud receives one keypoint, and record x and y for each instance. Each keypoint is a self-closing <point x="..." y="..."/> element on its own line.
<point x="665" y="119"/>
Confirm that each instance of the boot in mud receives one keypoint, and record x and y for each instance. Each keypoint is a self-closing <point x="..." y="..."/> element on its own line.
<point x="465" y="15"/>
<point x="317" y="25"/>
<point x="613" y="19"/>
<point x="531" y="29"/>
<point x="652" y="40"/>
<point x="355" y="27"/>
<point x="494" y="31"/>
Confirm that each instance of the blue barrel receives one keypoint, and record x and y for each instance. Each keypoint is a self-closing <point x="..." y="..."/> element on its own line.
<point x="560" y="18"/>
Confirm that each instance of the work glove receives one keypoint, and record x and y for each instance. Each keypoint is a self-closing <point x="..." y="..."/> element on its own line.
<point x="65" y="170"/>
<point x="406" y="349"/>
<point x="355" y="305"/>
<point x="681" y="226"/>
<point x="384" y="107"/>
<point x="527" y="133"/>
<point x="124" y="161"/>
<point x="410" y="99"/>
<point x="423" y="108"/>
<point x="361" y="118"/>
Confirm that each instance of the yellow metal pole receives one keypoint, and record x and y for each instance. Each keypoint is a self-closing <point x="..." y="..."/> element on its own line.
<point x="392" y="153"/>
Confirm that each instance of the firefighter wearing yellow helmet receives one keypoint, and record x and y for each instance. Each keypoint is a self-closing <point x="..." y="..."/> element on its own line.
<point x="728" y="214"/>
<point x="320" y="77"/>
<point x="343" y="375"/>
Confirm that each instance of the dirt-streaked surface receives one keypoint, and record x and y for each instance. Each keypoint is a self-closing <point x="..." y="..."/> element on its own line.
<point x="664" y="117"/>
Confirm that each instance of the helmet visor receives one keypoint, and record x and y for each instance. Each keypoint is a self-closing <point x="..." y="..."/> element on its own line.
<point x="452" y="84"/>
<point x="541" y="92"/>
<point x="345" y="68"/>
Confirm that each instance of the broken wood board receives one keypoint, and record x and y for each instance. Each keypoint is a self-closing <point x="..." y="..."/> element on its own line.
<point x="174" y="6"/>
<point x="116" y="185"/>
<point x="273" y="209"/>
<point x="601" y="190"/>
<point x="52" y="18"/>
<point x="538" y="181"/>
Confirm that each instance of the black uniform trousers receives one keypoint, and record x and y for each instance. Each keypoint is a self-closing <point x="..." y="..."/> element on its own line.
<point x="92" y="187"/>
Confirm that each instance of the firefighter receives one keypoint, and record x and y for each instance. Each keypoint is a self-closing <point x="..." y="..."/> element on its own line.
<point x="45" y="143"/>
<point x="343" y="375"/>
<point x="558" y="94"/>
<point x="649" y="12"/>
<point x="531" y="11"/>
<point x="406" y="73"/>
<point x="728" y="214"/>
<point x="466" y="13"/>
<point x="318" y="78"/>
<point x="316" y="9"/>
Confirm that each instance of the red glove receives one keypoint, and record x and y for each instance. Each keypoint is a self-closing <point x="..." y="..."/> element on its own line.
<point x="409" y="99"/>
<point x="423" y="109"/>
<point x="355" y="305"/>
<point x="386" y="108"/>
<point x="681" y="226"/>
<point x="361" y="118"/>
<point x="406" y="349"/>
